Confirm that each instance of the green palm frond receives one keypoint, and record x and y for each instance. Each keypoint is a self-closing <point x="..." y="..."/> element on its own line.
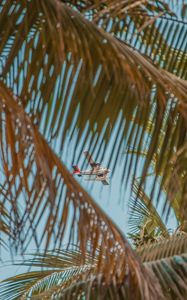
<point x="171" y="55"/>
<point x="167" y="259"/>
<point x="143" y="216"/>
<point x="97" y="290"/>
<point x="172" y="181"/>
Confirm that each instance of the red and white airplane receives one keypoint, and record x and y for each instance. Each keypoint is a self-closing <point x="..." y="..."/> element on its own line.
<point x="97" y="173"/>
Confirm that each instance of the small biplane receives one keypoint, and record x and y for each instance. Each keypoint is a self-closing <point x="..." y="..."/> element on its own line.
<point x="96" y="173"/>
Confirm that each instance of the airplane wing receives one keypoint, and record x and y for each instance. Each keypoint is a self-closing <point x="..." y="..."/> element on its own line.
<point x="90" y="160"/>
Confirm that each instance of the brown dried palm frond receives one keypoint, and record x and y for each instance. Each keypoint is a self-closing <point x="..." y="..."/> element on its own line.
<point x="64" y="275"/>
<point x="167" y="260"/>
<point x="67" y="276"/>
<point x="143" y="24"/>
<point x="175" y="245"/>
<point x="67" y="75"/>
<point x="172" y="275"/>
<point x="59" y="269"/>
<point x="107" y="9"/>
<point x="38" y="176"/>
<point x="97" y="78"/>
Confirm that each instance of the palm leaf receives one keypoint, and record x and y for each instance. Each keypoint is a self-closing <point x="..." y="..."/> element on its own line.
<point x="145" y="224"/>
<point x="57" y="68"/>
<point x="167" y="259"/>
<point x="176" y="165"/>
<point x="58" y="43"/>
<point x="175" y="245"/>
<point x="142" y="210"/>
<point x="5" y="229"/>
<point x="172" y="275"/>
<point x="66" y="276"/>
<point x="63" y="268"/>
<point x="143" y="24"/>
<point x="90" y="227"/>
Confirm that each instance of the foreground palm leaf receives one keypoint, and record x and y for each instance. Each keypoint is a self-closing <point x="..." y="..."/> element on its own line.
<point x="63" y="269"/>
<point x="134" y="23"/>
<point x="89" y="225"/>
<point x="85" y="64"/>
<point x="5" y="228"/>
<point x="167" y="259"/>
<point x="63" y="78"/>
<point x="66" y="275"/>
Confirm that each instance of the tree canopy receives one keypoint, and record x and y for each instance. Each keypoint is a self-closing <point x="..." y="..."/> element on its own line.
<point x="109" y="75"/>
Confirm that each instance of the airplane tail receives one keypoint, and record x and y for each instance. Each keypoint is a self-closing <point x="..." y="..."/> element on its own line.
<point x="76" y="170"/>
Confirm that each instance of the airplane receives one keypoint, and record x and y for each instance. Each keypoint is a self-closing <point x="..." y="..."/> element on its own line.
<point x="97" y="173"/>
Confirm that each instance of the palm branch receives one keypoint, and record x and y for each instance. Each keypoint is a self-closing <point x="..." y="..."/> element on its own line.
<point x="167" y="260"/>
<point x="5" y="229"/>
<point x="60" y="268"/>
<point x="90" y="227"/>
<point x="151" y="41"/>
<point x="66" y="275"/>
<point x="143" y="24"/>
<point x="57" y="67"/>
<point x="145" y="81"/>
<point x="144" y="220"/>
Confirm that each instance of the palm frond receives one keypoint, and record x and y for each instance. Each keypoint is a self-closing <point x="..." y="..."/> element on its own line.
<point x="93" y="289"/>
<point x="62" y="51"/>
<point x="57" y="64"/>
<point x="90" y="227"/>
<point x="67" y="276"/>
<point x="117" y="10"/>
<point x="63" y="268"/>
<point x="5" y="229"/>
<point x="172" y="275"/>
<point x="143" y="216"/>
<point x="143" y="24"/>
<point x="172" y="181"/>
<point x="175" y="245"/>
<point x="167" y="260"/>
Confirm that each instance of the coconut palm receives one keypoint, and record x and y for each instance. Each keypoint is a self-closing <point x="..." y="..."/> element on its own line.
<point x="110" y="75"/>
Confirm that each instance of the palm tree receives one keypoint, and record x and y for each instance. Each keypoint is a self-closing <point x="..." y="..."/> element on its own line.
<point x="110" y="75"/>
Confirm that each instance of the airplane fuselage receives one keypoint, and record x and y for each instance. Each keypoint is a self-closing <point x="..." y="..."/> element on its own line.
<point x="100" y="171"/>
